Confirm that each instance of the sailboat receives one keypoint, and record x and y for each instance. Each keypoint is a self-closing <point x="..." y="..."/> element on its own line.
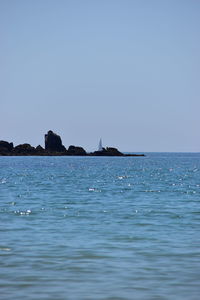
<point x="100" y="145"/>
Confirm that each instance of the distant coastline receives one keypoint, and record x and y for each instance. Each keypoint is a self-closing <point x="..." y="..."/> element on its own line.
<point x="54" y="147"/>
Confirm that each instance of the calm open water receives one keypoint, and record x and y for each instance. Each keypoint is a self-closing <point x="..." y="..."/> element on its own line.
<point x="100" y="227"/>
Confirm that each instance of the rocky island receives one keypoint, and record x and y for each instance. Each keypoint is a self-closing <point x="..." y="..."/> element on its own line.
<point x="54" y="147"/>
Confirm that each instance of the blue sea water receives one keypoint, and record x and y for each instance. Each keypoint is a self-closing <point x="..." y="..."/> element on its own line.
<point x="100" y="227"/>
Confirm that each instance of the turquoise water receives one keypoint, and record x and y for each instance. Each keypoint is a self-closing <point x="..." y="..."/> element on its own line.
<point x="100" y="227"/>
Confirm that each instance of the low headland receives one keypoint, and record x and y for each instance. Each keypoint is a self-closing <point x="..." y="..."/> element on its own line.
<point x="54" y="147"/>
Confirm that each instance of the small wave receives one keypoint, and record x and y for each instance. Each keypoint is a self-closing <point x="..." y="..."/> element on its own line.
<point x="94" y="190"/>
<point x="13" y="203"/>
<point x="5" y="249"/>
<point x="23" y="212"/>
<point x="122" y="177"/>
<point x="150" y="191"/>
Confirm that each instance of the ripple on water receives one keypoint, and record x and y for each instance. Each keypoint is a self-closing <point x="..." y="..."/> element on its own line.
<point x="5" y="249"/>
<point x="23" y="212"/>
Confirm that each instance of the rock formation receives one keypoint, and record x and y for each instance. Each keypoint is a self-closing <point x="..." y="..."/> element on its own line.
<point x="109" y="151"/>
<point x="40" y="151"/>
<point x="53" y="142"/>
<point x="24" y="149"/>
<point x="73" y="150"/>
<point x="5" y="147"/>
<point x="39" y="148"/>
<point x="54" y="147"/>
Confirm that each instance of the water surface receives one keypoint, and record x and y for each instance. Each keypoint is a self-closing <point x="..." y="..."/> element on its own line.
<point x="100" y="227"/>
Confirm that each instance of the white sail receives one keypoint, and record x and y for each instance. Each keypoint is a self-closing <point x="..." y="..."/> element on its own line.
<point x="100" y="145"/>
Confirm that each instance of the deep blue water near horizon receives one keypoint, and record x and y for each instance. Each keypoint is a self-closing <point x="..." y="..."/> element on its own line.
<point x="100" y="227"/>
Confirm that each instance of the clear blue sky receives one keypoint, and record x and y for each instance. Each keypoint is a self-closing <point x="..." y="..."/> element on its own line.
<point x="124" y="70"/>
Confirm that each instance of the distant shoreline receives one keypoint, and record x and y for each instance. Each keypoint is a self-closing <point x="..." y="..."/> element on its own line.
<point x="54" y="147"/>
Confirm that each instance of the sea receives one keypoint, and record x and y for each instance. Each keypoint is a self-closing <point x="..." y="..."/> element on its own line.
<point x="107" y="228"/>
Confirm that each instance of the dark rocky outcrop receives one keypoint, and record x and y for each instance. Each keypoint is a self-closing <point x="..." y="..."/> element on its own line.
<point x="134" y="154"/>
<point x="40" y="150"/>
<point x="114" y="151"/>
<point x="109" y="151"/>
<point x="24" y="149"/>
<point x="74" y="150"/>
<point x="53" y="142"/>
<point x="54" y="147"/>
<point x="5" y="147"/>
